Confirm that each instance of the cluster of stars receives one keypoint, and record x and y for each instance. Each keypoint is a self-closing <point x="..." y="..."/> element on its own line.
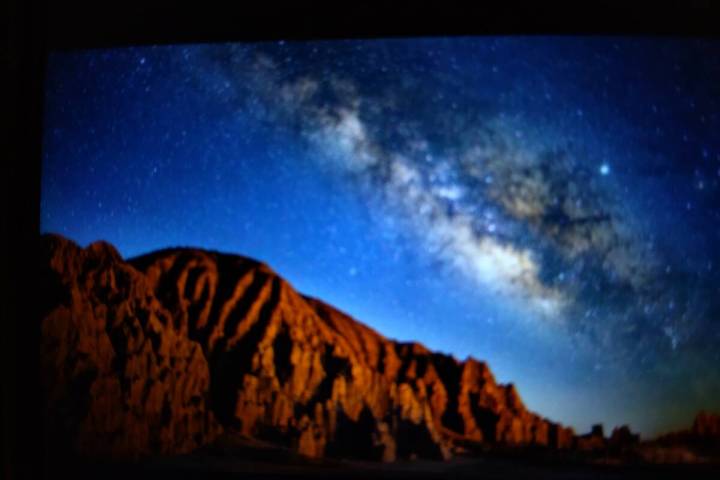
<point x="582" y="195"/>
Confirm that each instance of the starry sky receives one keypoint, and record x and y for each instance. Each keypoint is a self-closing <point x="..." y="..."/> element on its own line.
<point x="549" y="205"/>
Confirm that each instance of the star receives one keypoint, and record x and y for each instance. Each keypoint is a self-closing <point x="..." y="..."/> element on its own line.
<point x="465" y="172"/>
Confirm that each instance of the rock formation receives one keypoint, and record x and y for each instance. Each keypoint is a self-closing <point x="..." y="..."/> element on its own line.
<point x="119" y="379"/>
<point x="161" y="353"/>
<point x="706" y="425"/>
<point x="698" y="444"/>
<point x="622" y="439"/>
<point x="595" y="440"/>
<point x="705" y="429"/>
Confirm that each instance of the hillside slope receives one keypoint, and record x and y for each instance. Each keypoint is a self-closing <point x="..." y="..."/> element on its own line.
<point x="161" y="353"/>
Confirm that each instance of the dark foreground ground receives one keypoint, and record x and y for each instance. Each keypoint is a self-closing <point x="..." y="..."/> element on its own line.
<point x="245" y="460"/>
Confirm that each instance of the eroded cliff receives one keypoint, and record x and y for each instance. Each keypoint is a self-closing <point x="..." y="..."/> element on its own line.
<point x="161" y="353"/>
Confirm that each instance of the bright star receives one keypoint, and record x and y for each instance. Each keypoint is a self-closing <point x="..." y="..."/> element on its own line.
<point x="604" y="169"/>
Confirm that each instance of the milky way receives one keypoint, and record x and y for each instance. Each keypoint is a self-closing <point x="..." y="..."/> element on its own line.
<point x="564" y="190"/>
<point x="532" y="220"/>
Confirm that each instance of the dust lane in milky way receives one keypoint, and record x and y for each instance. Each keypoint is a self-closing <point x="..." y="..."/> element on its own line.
<point x="546" y="204"/>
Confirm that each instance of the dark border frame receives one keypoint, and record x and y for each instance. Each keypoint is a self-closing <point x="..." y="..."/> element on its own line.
<point x="39" y="26"/>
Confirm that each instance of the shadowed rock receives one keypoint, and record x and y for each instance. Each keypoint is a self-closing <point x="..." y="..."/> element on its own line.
<point x="623" y="439"/>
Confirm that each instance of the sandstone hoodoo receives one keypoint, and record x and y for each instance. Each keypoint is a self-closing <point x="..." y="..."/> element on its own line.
<point x="162" y="353"/>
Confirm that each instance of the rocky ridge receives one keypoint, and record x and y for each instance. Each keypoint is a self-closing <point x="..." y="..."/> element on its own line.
<point x="162" y="353"/>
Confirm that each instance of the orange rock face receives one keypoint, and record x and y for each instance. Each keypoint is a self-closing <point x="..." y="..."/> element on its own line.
<point x="120" y="378"/>
<point x="162" y="352"/>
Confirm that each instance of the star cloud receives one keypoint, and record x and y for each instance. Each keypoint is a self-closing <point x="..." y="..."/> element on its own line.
<point x="539" y="224"/>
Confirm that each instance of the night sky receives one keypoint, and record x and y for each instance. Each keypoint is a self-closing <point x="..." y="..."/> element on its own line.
<point x="550" y="205"/>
